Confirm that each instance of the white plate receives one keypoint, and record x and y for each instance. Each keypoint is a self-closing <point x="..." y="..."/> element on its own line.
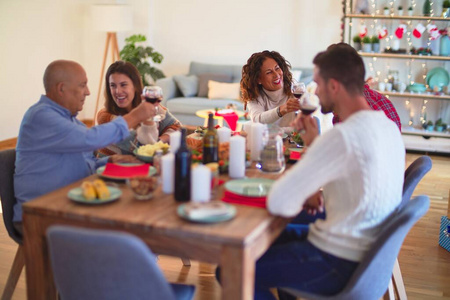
<point x="100" y="170"/>
<point x="76" y="195"/>
<point x="252" y="187"/>
<point x="229" y="214"/>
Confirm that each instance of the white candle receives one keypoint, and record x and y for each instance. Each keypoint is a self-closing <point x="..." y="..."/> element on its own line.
<point x="175" y="139"/>
<point x="247" y="127"/>
<point x="236" y="168"/>
<point x="200" y="184"/>
<point x="256" y="141"/>
<point x="224" y="134"/>
<point x="168" y="172"/>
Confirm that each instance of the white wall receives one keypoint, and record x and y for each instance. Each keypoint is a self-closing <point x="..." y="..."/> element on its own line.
<point x="35" y="32"/>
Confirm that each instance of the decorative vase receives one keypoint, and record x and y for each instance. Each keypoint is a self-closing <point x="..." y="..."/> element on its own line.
<point x="376" y="47"/>
<point x="386" y="12"/>
<point x="400" y="12"/>
<point x="444" y="49"/>
<point x="357" y="46"/>
<point x="367" y="47"/>
<point x="427" y="8"/>
<point x="410" y="12"/>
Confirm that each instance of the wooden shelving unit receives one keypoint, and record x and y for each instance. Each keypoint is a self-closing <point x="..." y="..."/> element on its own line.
<point x="416" y="139"/>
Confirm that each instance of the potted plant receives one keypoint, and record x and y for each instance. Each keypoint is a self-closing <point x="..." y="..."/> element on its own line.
<point x="400" y="10"/>
<point x="375" y="44"/>
<point x="427" y="8"/>
<point x="446" y="9"/>
<point x="366" y="44"/>
<point x="410" y="11"/>
<point x="439" y="125"/>
<point x="138" y="55"/>
<point x="429" y="125"/>
<point x="357" y="42"/>
<point x="386" y="11"/>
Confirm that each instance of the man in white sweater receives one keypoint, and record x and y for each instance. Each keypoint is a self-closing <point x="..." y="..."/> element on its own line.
<point x="359" y="164"/>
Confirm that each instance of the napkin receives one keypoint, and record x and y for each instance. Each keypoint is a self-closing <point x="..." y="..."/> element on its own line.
<point x="231" y="197"/>
<point x="231" y="118"/>
<point x="124" y="171"/>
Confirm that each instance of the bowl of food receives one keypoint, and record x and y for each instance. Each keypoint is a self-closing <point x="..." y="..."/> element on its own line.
<point x="145" y="153"/>
<point x="142" y="186"/>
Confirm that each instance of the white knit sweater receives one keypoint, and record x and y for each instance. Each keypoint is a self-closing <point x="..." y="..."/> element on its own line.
<point x="360" y="165"/>
<point x="264" y="108"/>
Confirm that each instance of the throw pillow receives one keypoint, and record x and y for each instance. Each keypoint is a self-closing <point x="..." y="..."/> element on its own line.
<point x="188" y="84"/>
<point x="220" y="90"/>
<point x="204" y="78"/>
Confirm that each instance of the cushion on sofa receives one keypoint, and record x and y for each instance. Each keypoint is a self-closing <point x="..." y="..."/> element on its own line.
<point x="205" y="77"/>
<point x="188" y="84"/>
<point x="221" y="90"/>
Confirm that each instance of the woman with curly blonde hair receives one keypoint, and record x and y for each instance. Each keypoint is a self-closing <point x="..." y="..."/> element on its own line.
<point x="266" y="89"/>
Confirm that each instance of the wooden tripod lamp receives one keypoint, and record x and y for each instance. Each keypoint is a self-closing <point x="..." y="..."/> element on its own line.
<point x="110" y="18"/>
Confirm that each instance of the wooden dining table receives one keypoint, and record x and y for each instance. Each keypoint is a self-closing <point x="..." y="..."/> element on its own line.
<point x="235" y="245"/>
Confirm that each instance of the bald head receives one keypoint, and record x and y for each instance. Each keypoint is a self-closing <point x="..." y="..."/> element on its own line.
<point x="59" y="71"/>
<point x="65" y="83"/>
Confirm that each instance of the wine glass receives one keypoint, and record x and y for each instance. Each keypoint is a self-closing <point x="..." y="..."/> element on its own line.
<point x="298" y="89"/>
<point x="154" y="95"/>
<point x="308" y="103"/>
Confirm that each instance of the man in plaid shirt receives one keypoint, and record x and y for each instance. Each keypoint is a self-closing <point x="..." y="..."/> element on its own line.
<point x="378" y="101"/>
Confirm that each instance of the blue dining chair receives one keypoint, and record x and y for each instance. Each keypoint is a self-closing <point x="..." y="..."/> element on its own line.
<point x="7" y="167"/>
<point x="103" y="264"/>
<point x="413" y="175"/>
<point x="372" y="277"/>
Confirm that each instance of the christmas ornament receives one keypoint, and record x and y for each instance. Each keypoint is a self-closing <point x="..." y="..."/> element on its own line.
<point x="382" y="32"/>
<point x="362" y="30"/>
<point x="401" y="29"/>
<point x="433" y="31"/>
<point x="417" y="32"/>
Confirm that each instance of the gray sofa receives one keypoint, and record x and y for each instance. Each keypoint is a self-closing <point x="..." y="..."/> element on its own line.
<point x="186" y="94"/>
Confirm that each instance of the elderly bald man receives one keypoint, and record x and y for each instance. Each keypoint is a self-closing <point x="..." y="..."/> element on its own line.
<point x="54" y="148"/>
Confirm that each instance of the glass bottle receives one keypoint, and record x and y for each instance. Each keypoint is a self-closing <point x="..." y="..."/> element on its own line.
<point x="210" y="143"/>
<point x="183" y="170"/>
<point x="157" y="164"/>
<point x="272" y="156"/>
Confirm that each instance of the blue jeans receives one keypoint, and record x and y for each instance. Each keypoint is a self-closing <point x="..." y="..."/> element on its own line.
<point x="294" y="262"/>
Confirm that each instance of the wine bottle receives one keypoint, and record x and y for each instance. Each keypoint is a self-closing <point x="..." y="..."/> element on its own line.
<point x="210" y="143"/>
<point x="183" y="170"/>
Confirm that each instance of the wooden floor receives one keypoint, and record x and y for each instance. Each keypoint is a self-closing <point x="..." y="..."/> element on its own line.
<point x="425" y="266"/>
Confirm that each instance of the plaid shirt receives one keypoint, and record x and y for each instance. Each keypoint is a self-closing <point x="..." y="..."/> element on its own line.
<point x="378" y="101"/>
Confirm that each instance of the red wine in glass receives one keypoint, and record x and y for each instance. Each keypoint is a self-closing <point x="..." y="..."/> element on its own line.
<point x="152" y="100"/>
<point x="298" y="95"/>
<point x="308" y="109"/>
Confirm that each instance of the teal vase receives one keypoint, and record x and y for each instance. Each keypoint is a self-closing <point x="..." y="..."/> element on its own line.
<point x="444" y="49"/>
<point x="427" y="8"/>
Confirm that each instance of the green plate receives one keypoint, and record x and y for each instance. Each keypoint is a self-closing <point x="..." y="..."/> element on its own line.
<point x="252" y="187"/>
<point x="100" y="170"/>
<point x="434" y="71"/>
<point x="144" y="158"/>
<point x="76" y="195"/>
<point x="439" y="79"/>
<point x="213" y="219"/>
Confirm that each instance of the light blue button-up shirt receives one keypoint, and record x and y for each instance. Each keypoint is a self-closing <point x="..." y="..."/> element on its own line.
<point x="55" y="149"/>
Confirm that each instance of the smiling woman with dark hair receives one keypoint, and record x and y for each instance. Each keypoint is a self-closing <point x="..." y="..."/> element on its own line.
<point x="266" y="89"/>
<point x="122" y="93"/>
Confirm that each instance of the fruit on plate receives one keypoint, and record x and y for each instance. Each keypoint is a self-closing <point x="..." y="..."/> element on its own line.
<point x="96" y="189"/>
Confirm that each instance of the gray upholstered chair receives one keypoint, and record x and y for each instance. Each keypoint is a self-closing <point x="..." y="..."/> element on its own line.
<point x="103" y="264"/>
<point x="372" y="277"/>
<point x="7" y="167"/>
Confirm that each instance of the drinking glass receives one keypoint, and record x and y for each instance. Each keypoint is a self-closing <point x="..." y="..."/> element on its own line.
<point x="298" y="89"/>
<point x="154" y="95"/>
<point x="308" y="103"/>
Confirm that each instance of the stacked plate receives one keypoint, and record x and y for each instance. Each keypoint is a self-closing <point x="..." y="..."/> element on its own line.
<point x="438" y="77"/>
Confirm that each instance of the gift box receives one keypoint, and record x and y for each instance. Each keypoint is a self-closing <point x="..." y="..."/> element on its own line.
<point x="444" y="232"/>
